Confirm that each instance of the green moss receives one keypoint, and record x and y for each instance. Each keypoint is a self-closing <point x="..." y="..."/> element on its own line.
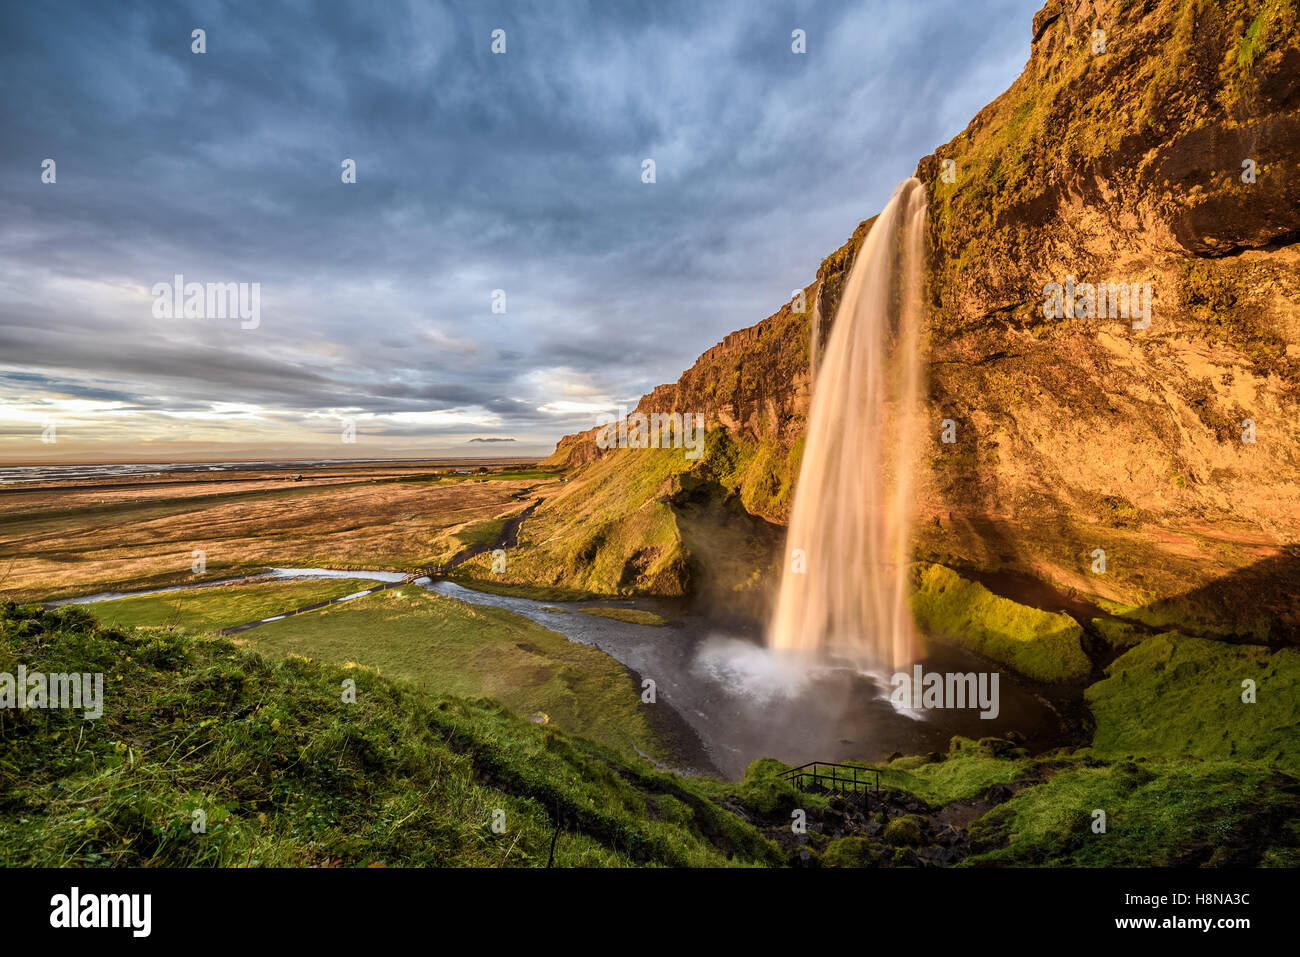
<point x="633" y="616"/>
<point x="1118" y="634"/>
<point x="1039" y="644"/>
<point x="767" y="796"/>
<point x="1156" y="814"/>
<point x="905" y="830"/>
<point x="854" y="852"/>
<point x="291" y="775"/>
<point x="1184" y="615"/>
<point x="1177" y="695"/>
<point x="961" y="774"/>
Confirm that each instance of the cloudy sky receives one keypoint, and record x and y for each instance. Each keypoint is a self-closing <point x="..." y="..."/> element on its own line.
<point x="475" y="172"/>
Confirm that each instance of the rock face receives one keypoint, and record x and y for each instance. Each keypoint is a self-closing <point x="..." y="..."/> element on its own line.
<point x="1153" y="142"/>
<point x="755" y="383"/>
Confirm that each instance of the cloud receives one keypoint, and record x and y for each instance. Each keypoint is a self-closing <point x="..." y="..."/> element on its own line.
<point x="475" y="173"/>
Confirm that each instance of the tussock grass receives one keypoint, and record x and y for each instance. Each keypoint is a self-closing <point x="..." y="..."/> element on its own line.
<point x="289" y="774"/>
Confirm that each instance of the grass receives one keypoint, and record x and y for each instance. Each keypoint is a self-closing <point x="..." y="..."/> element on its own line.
<point x="372" y="525"/>
<point x="288" y="774"/>
<point x="1174" y="695"/>
<point x="604" y="532"/>
<point x="967" y="772"/>
<point x="481" y="533"/>
<point x="633" y="616"/>
<point x="1042" y="645"/>
<point x="221" y="606"/>
<point x="1161" y="814"/>
<point x="475" y="651"/>
<point x="652" y="522"/>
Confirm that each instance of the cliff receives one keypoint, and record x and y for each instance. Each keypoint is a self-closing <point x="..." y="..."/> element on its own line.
<point x="1162" y="152"/>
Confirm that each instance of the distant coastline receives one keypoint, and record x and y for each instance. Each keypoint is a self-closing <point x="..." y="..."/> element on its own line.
<point x="30" y="472"/>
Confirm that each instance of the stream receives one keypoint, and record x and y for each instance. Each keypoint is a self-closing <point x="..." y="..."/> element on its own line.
<point x="728" y="699"/>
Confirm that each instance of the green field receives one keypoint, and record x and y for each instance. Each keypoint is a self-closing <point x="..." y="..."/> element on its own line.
<point x="481" y="533"/>
<point x="288" y="774"/>
<point x="451" y="647"/>
<point x="221" y="606"/>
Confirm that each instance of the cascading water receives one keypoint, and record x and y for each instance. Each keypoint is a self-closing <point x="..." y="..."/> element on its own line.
<point x="845" y="582"/>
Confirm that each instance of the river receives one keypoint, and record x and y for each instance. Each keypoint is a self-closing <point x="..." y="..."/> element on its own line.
<point x="729" y="699"/>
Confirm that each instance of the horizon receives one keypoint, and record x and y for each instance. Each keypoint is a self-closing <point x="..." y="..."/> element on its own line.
<point x="73" y="463"/>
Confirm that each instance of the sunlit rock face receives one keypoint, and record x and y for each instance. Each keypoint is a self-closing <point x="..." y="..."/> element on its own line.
<point x="1162" y="152"/>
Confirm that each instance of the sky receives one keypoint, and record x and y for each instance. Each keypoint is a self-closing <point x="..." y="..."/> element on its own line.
<point x="500" y="273"/>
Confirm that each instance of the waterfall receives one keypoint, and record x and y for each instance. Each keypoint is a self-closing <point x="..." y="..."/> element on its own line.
<point x="844" y="585"/>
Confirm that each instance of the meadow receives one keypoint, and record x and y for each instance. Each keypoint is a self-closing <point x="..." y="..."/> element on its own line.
<point x="81" y="540"/>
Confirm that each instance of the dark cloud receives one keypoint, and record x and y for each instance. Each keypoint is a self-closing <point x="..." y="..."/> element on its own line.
<point x="475" y="173"/>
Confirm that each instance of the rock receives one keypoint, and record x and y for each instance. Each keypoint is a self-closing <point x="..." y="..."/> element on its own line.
<point x="999" y="794"/>
<point x="905" y="830"/>
<point x="1071" y="425"/>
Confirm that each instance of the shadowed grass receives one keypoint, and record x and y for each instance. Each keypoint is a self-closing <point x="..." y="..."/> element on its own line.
<point x="210" y="609"/>
<point x="452" y="647"/>
<point x="288" y="774"/>
<point x="1175" y="695"/>
<point x="1162" y="814"/>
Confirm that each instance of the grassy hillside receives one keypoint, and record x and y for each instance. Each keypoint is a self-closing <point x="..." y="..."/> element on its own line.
<point x="475" y="651"/>
<point x="221" y="606"/>
<point x="288" y="774"/>
<point x="652" y="522"/>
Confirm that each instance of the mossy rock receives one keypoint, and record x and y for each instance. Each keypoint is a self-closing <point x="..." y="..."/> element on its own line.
<point x="854" y="852"/>
<point x="906" y="830"/>
<point x="1118" y="634"/>
<point x="1041" y="645"/>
